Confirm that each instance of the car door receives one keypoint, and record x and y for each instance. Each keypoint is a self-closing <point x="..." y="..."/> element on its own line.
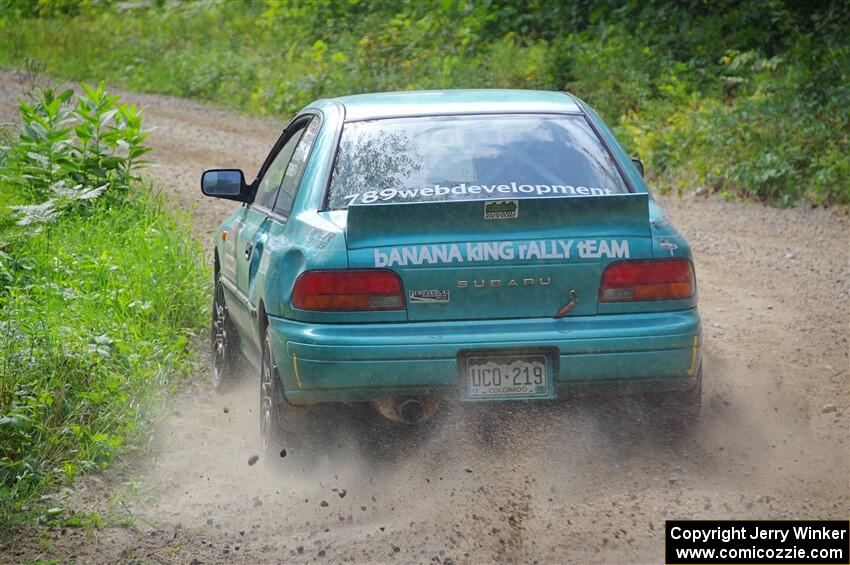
<point x="251" y="234"/>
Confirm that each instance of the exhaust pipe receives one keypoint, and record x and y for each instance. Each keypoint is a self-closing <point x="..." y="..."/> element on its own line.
<point x="407" y="409"/>
<point x="411" y="410"/>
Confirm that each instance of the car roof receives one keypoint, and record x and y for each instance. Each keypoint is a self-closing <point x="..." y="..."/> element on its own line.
<point x="441" y="102"/>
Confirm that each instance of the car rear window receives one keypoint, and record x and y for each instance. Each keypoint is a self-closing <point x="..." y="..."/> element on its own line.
<point x="469" y="158"/>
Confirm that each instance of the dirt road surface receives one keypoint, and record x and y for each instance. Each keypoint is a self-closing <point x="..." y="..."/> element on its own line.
<point x="579" y="482"/>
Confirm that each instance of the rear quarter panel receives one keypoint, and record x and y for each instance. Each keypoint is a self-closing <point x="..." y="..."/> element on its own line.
<point x="666" y="239"/>
<point x="307" y="239"/>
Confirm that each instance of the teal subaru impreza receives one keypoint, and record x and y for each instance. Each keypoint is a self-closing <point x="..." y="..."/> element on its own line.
<point x="413" y="248"/>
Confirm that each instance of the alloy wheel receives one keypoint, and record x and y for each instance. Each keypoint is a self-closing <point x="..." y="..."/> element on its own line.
<point x="219" y="336"/>
<point x="266" y="398"/>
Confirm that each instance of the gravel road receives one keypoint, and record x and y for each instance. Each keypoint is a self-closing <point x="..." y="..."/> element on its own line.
<point x="578" y="482"/>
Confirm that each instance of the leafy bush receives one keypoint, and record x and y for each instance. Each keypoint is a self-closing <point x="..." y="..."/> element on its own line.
<point x="71" y="154"/>
<point x="98" y="298"/>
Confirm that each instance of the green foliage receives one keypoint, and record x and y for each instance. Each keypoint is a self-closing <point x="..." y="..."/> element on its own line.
<point x="770" y="140"/>
<point x="97" y="303"/>
<point x="68" y="154"/>
<point x="747" y="99"/>
<point x="49" y="8"/>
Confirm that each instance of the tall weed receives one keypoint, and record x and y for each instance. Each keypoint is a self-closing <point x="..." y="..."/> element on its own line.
<point x="101" y="290"/>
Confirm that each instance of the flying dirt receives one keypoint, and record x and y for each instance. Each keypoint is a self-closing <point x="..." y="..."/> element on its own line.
<point x="583" y="480"/>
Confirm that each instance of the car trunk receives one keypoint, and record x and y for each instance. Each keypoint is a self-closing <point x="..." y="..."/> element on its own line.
<point x="522" y="258"/>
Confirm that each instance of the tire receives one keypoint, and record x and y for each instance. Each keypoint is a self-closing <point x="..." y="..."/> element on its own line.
<point x="224" y="342"/>
<point x="279" y="420"/>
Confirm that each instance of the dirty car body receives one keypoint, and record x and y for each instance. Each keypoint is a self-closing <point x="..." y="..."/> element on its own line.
<point x="478" y="245"/>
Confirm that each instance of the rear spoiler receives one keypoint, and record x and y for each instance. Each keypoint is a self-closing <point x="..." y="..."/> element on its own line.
<point x="613" y="215"/>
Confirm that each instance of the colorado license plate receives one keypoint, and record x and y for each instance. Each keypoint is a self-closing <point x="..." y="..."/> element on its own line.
<point x="495" y="376"/>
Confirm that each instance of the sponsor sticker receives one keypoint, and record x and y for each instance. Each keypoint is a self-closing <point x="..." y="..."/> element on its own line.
<point x="501" y="209"/>
<point x="319" y="238"/>
<point x="491" y="251"/>
<point x="668" y="245"/>
<point x="462" y="191"/>
<point x="430" y="296"/>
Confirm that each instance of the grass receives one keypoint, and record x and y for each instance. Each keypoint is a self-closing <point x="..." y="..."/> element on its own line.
<point x="98" y="303"/>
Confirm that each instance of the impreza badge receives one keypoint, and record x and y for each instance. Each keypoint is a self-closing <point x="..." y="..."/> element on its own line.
<point x="430" y="296"/>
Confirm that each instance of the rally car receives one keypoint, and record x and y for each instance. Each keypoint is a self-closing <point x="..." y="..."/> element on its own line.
<point x="413" y="248"/>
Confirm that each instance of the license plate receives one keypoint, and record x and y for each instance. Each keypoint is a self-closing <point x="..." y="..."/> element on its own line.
<point x="506" y="376"/>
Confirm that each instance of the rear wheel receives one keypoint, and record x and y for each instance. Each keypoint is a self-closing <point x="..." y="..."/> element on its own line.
<point x="279" y="420"/>
<point x="223" y="342"/>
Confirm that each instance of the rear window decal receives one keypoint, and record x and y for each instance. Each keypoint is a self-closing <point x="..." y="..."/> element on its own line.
<point x="477" y="252"/>
<point x="438" y="192"/>
<point x="489" y="157"/>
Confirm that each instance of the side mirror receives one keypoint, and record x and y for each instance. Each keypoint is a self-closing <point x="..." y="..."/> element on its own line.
<point x="638" y="165"/>
<point x="225" y="183"/>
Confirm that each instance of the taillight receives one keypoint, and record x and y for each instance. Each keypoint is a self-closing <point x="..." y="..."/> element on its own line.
<point x="335" y="291"/>
<point x="661" y="279"/>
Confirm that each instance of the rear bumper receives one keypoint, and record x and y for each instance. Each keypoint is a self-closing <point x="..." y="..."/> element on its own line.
<point x="355" y="362"/>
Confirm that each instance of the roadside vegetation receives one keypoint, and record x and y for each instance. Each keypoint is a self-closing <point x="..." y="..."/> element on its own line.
<point x="746" y="99"/>
<point x="101" y="290"/>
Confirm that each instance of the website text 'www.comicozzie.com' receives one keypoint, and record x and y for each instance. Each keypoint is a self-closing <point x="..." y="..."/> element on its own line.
<point x="690" y="554"/>
<point x="803" y="542"/>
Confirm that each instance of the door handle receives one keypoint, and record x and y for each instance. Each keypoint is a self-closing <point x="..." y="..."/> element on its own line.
<point x="249" y="248"/>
